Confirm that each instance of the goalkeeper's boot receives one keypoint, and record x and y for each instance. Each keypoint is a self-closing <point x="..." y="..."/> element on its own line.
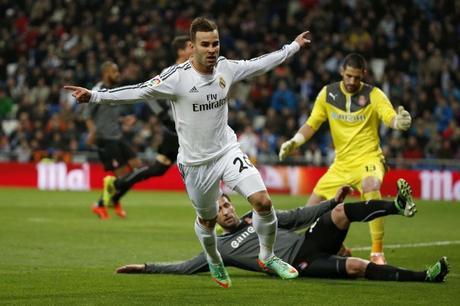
<point x="404" y="201"/>
<point x="108" y="189"/>
<point x="378" y="258"/>
<point x="219" y="275"/>
<point x="279" y="267"/>
<point x="100" y="211"/>
<point x="437" y="273"/>
<point x="119" y="210"/>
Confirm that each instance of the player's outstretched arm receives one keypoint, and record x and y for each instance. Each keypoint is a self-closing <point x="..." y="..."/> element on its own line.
<point x="191" y="266"/>
<point x="81" y="94"/>
<point x="298" y="218"/>
<point x="153" y="88"/>
<point x="244" y="69"/>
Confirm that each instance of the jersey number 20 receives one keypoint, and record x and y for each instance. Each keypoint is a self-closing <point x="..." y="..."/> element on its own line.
<point x="244" y="163"/>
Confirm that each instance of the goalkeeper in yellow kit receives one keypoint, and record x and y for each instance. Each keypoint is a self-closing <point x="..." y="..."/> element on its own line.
<point x="354" y="110"/>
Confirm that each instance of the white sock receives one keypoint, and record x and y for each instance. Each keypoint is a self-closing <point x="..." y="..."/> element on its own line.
<point x="265" y="227"/>
<point x="208" y="242"/>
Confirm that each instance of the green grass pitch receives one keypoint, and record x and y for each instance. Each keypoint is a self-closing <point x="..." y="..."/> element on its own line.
<point x="54" y="251"/>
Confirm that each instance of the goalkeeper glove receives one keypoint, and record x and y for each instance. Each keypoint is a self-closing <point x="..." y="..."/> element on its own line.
<point x="402" y="119"/>
<point x="289" y="146"/>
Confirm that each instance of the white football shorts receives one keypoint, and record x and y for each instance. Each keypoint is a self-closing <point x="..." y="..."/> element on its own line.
<point x="202" y="181"/>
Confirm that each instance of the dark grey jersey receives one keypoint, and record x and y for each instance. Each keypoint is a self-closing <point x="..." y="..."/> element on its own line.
<point x="241" y="248"/>
<point x="106" y="118"/>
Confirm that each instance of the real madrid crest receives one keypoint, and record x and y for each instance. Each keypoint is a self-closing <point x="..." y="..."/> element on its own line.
<point x="222" y="82"/>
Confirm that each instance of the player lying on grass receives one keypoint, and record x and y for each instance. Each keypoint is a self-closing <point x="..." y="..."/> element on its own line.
<point x="312" y="253"/>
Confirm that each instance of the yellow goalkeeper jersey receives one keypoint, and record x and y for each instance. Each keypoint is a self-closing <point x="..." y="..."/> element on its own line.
<point x="354" y="120"/>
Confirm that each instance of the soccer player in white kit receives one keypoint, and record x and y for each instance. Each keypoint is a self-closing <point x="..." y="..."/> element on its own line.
<point x="208" y="147"/>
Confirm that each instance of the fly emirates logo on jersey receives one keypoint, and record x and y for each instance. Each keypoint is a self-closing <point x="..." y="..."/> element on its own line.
<point x="241" y="237"/>
<point x="212" y="103"/>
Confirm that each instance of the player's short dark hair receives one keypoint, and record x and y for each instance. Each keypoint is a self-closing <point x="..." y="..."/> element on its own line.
<point x="354" y="60"/>
<point x="179" y="43"/>
<point x="106" y="65"/>
<point x="201" y="24"/>
<point x="226" y="196"/>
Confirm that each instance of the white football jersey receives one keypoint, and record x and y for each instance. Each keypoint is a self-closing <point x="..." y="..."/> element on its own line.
<point x="199" y="101"/>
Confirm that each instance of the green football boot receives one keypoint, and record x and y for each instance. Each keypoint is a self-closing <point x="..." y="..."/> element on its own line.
<point x="108" y="189"/>
<point x="219" y="275"/>
<point x="404" y="201"/>
<point x="277" y="266"/>
<point x="437" y="273"/>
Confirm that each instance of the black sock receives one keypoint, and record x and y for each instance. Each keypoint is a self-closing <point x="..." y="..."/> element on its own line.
<point x="124" y="183"/>
<point x="390" y="273"/>
<point x="118" y="194"/>
<point x="366" y="211"/>
<point x="127" y="181"/>
<point x="100" y="203"/>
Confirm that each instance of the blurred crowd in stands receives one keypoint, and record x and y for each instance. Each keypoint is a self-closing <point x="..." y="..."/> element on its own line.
<point x="412" y="48"/>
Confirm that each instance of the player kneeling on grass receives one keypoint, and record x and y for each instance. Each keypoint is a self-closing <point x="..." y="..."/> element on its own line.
<point x="312" y="253"/>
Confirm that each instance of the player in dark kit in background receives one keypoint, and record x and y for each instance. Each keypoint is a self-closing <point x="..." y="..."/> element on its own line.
<point x="312" y="253"/>
<point x="104" y="131"/>
<point x="116" y="187"/>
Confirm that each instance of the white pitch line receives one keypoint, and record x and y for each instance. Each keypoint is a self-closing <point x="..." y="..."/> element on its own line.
<point x="410" y="245"/>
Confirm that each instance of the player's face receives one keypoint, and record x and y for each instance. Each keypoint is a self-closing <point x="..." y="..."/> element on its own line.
<point x="206" y="49"/>
<point x="113" y="74"/>
<point x="352" y="78"/>
<point x="227" y="217"/>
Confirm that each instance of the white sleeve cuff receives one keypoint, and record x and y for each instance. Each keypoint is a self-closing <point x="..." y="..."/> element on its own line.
<point x="95" y="97"/>
<point x="395" y="122"/>
<point x="299" y="139"/>
<point x="294" y="46"/>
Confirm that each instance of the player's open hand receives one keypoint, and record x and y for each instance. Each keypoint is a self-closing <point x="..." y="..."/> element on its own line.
<point x="303" y="39"/>
<point x="286" y="148"/>
<point x="82" y="95"/>
<point x="342" y="193"/>
<point x="131" y="269"/>
<point x="403" y="119"/>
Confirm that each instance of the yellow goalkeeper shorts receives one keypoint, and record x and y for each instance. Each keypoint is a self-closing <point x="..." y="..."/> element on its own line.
<point x="339" y="175"/>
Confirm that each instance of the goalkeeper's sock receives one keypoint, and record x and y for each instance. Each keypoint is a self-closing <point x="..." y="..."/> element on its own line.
<point x="391" y="273"/>
<point x="376" y="226"/>
<point x="100" y="203"/>
<point x="369" y="210"/>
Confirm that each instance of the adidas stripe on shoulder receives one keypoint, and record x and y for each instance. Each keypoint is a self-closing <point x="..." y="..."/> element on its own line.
<point x="173" y="69"/>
